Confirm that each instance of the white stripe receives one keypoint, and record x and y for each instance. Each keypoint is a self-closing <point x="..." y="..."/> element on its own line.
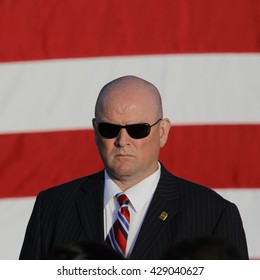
<point x="14" y="217"/>
<point x="16" y="212"/>
<point x="196" y="89"/>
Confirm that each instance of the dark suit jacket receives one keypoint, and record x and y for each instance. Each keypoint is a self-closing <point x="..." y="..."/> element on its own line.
<point x="73" y="212"/>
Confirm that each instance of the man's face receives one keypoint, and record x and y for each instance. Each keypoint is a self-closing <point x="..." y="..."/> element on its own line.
<point x="127" y="159"/>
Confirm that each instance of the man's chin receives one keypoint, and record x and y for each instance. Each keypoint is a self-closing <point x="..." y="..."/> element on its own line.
<point x="123" y="171"/>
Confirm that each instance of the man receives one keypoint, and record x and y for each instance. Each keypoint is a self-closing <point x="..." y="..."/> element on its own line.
<point x="135" y="205"/>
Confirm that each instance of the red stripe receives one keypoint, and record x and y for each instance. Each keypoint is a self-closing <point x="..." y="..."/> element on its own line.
<point x="219" y="156"/>
<point x="47" y="29"/>
<point x="31" y="162"/>
<point x="214" y="155"/>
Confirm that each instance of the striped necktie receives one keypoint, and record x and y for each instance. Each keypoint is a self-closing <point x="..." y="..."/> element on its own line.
<point x="117" y="236"/>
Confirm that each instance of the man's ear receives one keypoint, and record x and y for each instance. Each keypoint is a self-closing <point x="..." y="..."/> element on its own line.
<point x="94" y="124"/>
<point x="165" y="127"/>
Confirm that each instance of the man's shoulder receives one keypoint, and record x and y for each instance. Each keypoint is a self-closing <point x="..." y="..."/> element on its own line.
<point x="190" y="187"/>
<point x="75" y="185"/>
<point x="192" y="190"/>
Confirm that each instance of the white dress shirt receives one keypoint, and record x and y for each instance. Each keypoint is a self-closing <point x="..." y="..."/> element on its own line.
<point x="139" y="195"/>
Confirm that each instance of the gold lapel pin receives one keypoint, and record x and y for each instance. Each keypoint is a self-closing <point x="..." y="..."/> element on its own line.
<point x="163" y="216"/>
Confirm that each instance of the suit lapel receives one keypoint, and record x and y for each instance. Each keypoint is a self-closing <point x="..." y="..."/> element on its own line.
<point x="165" y="200"/>
<point x="90" y="208"/>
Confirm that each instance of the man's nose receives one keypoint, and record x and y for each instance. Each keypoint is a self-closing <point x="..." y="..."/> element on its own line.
<point x="123" y="138"/>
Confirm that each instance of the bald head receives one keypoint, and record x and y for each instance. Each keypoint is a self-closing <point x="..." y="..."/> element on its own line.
<point x="129" y="90"/>
<point x="133" y="104"/>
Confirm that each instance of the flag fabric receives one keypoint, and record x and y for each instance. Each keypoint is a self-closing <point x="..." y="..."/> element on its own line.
<point x="56" y="55"/>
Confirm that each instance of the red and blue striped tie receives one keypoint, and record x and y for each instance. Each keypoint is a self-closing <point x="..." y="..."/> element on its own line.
<point x="117" y="236"/>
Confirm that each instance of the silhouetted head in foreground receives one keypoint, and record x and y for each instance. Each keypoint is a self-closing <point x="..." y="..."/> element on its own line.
<point x="84" y="251"/>
<point x="207" y="248"/>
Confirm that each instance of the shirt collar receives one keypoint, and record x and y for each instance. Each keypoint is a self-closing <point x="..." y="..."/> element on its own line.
<point x="138" y="194"/>
<point x="111" y="189"/>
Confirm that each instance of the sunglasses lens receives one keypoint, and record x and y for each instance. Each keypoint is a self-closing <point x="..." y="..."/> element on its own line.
<point x="108" y="130"/>
<point x="138" y="131"/>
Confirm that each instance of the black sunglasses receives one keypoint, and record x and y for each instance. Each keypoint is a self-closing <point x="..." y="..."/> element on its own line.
<point x="136" y="131"/>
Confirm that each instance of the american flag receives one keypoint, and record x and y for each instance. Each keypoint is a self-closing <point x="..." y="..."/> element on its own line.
<point x="55" y="55"/>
